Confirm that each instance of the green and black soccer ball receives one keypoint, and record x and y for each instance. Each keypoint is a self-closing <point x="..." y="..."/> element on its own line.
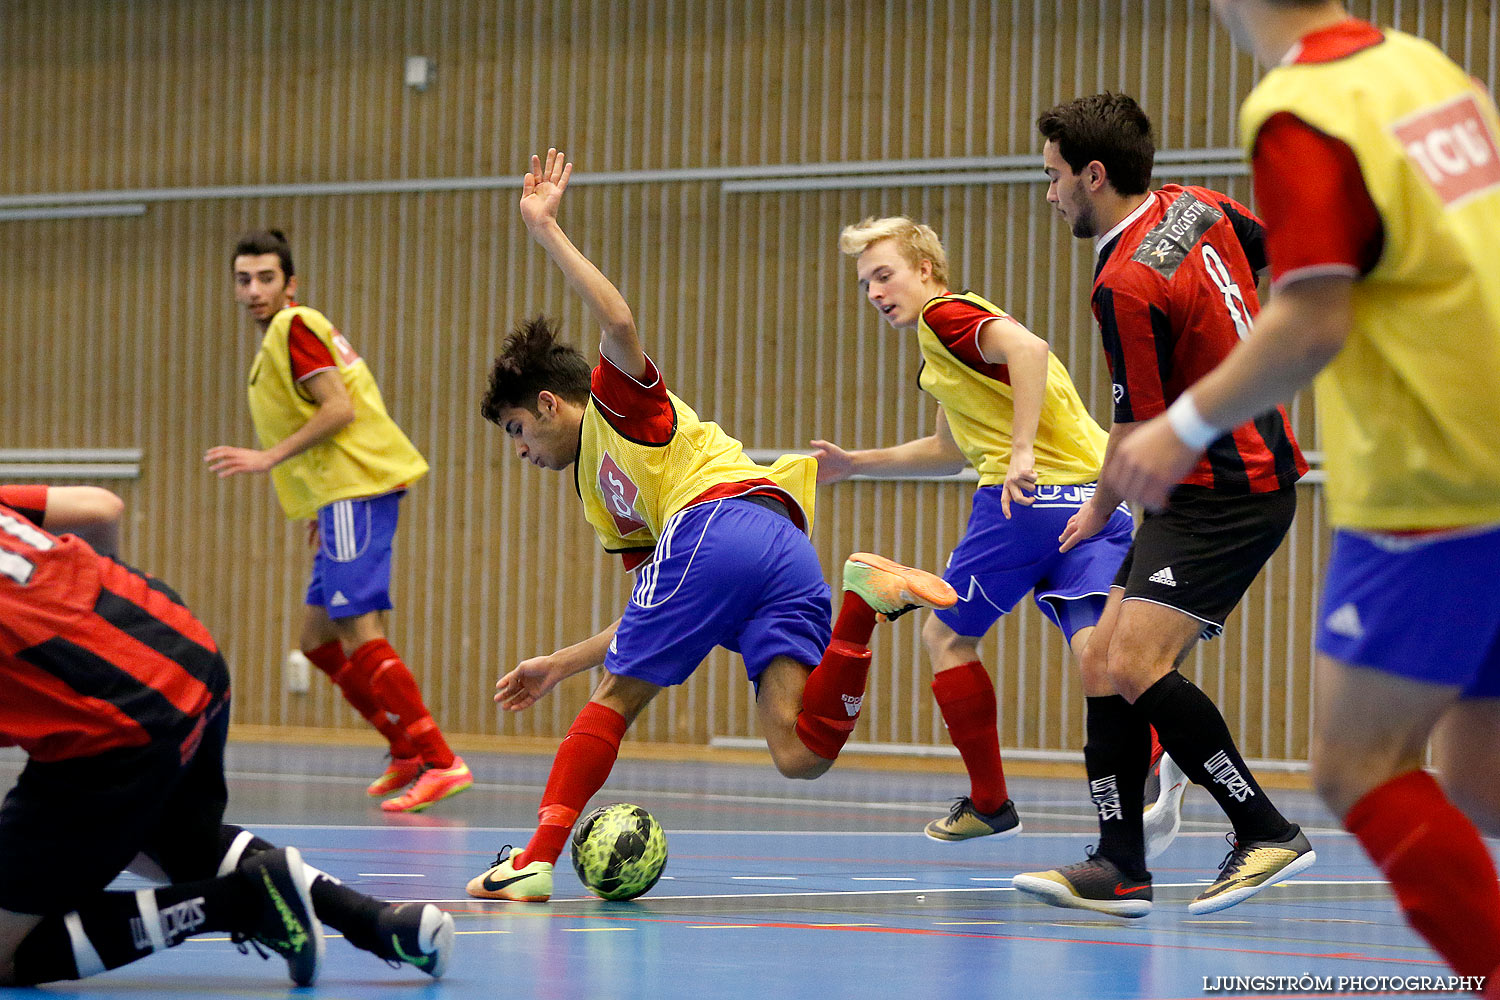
<point x="619" y="851"/>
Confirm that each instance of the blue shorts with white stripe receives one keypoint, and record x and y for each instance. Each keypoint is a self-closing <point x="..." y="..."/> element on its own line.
<point x="728" y="573"/>
<point x="351" y="573"/>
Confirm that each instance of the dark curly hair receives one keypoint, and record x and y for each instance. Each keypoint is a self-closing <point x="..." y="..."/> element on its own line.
<point x="1110" y="128"/>
<point x="534" y="359"/>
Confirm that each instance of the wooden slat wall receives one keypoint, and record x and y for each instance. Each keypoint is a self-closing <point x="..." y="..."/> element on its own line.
<point x="123" y="332"/>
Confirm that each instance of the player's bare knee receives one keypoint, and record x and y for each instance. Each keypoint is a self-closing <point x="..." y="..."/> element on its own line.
<point x="799" y="763"/>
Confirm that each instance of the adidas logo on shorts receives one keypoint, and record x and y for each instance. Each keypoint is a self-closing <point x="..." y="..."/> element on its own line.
<point x="1164" y="577"/>
<point x="1345" y="622"/>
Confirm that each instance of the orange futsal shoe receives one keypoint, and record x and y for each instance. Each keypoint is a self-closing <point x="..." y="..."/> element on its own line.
<point x="399" y="773"/>
<point x="893" y="589"/>
<point x="434" y="784"/>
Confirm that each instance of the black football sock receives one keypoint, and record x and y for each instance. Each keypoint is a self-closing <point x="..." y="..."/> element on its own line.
<point x="1191" y="729"/>
<point x="346" y="910"/>
<point x="1117" y="757"/>
<point x="116" y="928"/>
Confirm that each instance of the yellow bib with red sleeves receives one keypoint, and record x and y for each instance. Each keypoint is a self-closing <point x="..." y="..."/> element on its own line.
<point x="980" y="409"/>
<point x="367" y="457"/>
<point x="630" y="489"/>
<point x="1409" y="410"/>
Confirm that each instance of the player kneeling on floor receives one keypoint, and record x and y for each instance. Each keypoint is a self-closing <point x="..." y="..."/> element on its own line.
<point x="121" y="699"/>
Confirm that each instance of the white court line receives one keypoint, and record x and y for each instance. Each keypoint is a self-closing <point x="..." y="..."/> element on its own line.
<point x="595" y="930"/>
<point x="883" y="892"/>
<point x="880" y="878"/>
<point x="389" y="875"/>
<point x="841" y="834"/>
<point x="764" y="878"/>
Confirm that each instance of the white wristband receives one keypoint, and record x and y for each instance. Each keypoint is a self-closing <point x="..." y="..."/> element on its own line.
<point x="1188" y="424"/>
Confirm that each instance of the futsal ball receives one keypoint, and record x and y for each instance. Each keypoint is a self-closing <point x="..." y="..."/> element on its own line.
<point x="619" y="851"/>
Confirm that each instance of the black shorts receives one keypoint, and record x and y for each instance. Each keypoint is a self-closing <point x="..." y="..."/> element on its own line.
<point x="69" y="827"/>
<point x="1201" y="554"/>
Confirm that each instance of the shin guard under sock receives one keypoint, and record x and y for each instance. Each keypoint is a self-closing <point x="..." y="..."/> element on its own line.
<point x="832" y="699"/>
<point x="396" y="691"/>
<point x="330" y="659"/>
<point x="583" y="762"/>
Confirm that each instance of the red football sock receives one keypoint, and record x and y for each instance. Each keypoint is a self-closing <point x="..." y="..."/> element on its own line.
<point x="1441" y="872"/>
<point x="396" y="690"/>
<point x="583" y="761"/>
<point x="330" y="659"/>
<point x="856" y="621"/>
<point x="966" y="697"/>
<point x="832" y="699"/>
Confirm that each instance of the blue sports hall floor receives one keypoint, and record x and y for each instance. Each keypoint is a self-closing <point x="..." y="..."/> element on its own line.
<point x="794" y="891"/>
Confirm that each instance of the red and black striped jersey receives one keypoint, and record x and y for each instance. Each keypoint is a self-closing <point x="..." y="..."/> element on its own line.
<point x="1174" y="292"/>
<point x="94" y="656"/>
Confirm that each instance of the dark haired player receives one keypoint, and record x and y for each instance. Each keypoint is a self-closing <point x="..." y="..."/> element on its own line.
<point x="1174" y="291"/>
<point x="336" y="456"/>
<point x="719" y="545"/>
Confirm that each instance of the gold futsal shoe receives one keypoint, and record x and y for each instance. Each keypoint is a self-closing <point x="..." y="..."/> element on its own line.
<point x="532" y="884"/>
<point x="964" y="822"/>
<point x="1251" y="867"/>
<point x="893" y="589"/>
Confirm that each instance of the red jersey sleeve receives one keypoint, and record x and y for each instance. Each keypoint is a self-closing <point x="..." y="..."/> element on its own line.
<point x="640" y="409"/>
<point x="28" y="501"/>
<point x="309" y="354"/>
<point x="1138" y="343"/>
<point x="636" y="558"/>
<point x="1319" y="217"/>
<point x="956" y="324"/>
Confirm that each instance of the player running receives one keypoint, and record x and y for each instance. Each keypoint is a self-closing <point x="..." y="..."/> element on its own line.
<point x="1008" y="408"/>
<point x="337" y="457"/>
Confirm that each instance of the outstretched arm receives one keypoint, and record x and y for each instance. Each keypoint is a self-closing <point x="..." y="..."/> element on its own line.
<point x="541" y="195"/>
<point x="934" y="455"/>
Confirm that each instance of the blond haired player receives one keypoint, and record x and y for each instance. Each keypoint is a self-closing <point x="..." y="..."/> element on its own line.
<point x="1008" y="408"/>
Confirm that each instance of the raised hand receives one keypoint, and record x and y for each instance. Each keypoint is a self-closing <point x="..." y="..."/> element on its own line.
<point x="542" y="189"/>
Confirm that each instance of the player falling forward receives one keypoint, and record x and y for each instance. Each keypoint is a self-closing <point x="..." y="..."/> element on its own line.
<point x="1174" y="289"/>
<point x="1008" y="408"/>
<point x="1376" y="161"/>
<point x="121" y="700"/>
<point x="719" y="545"/>
<point x="336" y="456"/>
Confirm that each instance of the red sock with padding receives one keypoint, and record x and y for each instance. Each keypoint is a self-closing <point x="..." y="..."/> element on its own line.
<point x="966" y="697"/>
<point x="396" y="690"/>
<point x="1441" y="872"/>
<point x="330" y="659"/>
<point x="583" y="762"/>
<point x="831" y="701"/>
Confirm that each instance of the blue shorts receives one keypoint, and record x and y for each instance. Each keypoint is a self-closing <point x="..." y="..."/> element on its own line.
<point x="999" y="561"/>
<point x="1423" y="608"/>
<point x="351" y="573"/>
<point x="725" y="573"/>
